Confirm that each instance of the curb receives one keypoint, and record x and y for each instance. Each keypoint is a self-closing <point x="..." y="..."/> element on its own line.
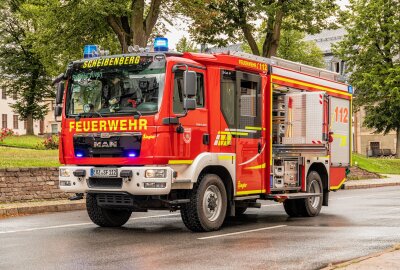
<point x="339" y="265"/>
<point x="29" y="210"/>
<point x="363" y="186"/>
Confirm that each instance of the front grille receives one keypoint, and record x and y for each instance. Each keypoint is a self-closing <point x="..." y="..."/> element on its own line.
<point x="95" y="182"/>
<point x="114" y="200"/>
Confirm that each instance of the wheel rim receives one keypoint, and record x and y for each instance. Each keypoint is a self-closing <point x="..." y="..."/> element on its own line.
<point x="315" y="188"/>
<point x="212" y="203"/>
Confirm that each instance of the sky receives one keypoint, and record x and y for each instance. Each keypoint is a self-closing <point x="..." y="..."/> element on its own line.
<point x="180" y="29"/>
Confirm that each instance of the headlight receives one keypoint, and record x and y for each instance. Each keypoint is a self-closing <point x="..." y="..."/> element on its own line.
<point x="65" y="172"/>
<point x="156" y="173"/>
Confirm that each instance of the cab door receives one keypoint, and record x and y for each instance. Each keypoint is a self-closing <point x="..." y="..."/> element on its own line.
<point x="188" y="141"/>
<point x="250" y="159"/>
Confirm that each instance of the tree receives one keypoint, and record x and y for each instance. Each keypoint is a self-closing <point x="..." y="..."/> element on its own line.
<point x="371" y="50"/>
<point x="293" y="47"/>
<point x="66" y="26"/>
<point x="23" y="73"/>
<point x="186" y="45"/>
<point x="222" y="21"/>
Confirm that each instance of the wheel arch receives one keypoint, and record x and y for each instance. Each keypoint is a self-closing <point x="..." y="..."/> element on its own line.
<point x="225" y="176"/>
<point x="323" y="173"/>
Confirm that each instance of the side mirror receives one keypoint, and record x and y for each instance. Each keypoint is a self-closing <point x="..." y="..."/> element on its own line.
<point x="190" y="83"/>
<point x="189" y="104"/>
<point x="57" y="111"/>
<point x="60" y="93"/>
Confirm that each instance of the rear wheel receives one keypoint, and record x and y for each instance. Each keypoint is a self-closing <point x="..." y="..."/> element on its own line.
<point x="206" y="210"/>
<point x="105" y="217"/>
<point x="309" y="207"/>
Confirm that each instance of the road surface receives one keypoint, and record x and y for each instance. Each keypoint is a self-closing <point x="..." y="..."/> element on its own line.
<point x="357" y="223"/>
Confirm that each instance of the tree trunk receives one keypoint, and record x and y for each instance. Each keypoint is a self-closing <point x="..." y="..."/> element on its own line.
<point x="29" y="125"/>
<point x="271" y="42"/>
<point x="398" y="142"/>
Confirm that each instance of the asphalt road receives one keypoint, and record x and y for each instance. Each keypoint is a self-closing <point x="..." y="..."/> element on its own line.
<point x="357" y="223"/>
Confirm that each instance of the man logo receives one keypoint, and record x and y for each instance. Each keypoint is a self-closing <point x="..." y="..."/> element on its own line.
<point x="105" y="144"/>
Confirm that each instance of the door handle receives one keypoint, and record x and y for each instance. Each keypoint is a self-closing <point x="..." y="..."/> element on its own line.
<point x="259" y="147"/>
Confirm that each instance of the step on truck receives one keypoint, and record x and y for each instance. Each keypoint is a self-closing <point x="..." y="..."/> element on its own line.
<point x="209" y="135"/>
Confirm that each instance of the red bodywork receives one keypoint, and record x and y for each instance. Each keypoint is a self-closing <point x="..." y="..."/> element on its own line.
<point x="161" y="143"/>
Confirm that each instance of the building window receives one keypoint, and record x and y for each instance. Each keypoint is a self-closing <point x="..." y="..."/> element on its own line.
<point x="4" y="120"/>
<point x="3" y="93"/>
<point x="15" y="121"/>
<point x="54" y="128"/>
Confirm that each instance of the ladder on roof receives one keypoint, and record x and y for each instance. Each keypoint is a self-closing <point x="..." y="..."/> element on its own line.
<point x="279" y="62"/>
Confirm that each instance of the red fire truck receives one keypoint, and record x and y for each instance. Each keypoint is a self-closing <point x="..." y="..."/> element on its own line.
<point x="206" y="134"/>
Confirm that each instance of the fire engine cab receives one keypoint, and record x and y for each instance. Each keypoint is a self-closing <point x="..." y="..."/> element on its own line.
<point x="207" y="134"/>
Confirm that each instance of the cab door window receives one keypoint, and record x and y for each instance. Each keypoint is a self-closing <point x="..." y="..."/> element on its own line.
<point x="179" y="95"/>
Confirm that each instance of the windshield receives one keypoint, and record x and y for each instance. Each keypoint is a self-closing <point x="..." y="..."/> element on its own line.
<point x="108" y="91"/>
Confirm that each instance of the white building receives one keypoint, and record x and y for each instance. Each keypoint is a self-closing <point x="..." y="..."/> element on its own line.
<point x="9" y="119"/>
<point x="324" y="40"/>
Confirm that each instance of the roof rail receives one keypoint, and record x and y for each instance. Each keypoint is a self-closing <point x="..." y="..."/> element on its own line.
<point x="279" y="62"/>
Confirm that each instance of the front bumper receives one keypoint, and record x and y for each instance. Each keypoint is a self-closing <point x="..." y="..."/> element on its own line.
<point x="136" y="184"/>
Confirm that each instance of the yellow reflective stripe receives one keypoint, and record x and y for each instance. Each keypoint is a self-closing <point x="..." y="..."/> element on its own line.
<point x="311" y="85"/>
<point x="343" y="139"/>
<point x="178" y="162"/>
<point x="248" y="192"/>
<point x="226" y="157"/>
<point x="233" y="133"/>
<point x="254" y="128"/>
<point x="262" y="166"/>
<point x="338" y="186"/>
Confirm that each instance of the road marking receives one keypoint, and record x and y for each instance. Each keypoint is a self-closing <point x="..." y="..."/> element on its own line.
<point x="241" y="232"/>
<point x="77" y="224"/>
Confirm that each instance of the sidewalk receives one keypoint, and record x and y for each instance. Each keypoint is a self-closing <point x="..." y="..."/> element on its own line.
<point x="27" y="208"/>
<point x="391" y="180"/>
<point x="388" y="259"/>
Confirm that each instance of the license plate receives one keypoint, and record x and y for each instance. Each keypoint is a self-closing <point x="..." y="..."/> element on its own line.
<point x="103" y="172"/>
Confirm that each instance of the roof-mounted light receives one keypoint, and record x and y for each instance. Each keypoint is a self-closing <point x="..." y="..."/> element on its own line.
<point x="90" y="51"/>
<point x="160" y="44"/>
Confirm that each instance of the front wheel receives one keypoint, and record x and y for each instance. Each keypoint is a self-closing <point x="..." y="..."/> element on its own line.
<point x="206" y="210"/>
<point x="104" y="217"/>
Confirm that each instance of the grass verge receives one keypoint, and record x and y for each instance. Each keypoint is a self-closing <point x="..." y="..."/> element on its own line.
<point x="24" y="141"/>
<point x="20" y="158"/>
<point x="377" y="165"/>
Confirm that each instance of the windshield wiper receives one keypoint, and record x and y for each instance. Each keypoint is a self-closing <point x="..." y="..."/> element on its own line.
<point x="85" y="114"/>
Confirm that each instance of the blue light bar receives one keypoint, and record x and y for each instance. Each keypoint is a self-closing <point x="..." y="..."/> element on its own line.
<point x="350" y="89"/>
<point x="90" y="51"/>
<point x="79" y="155"/>
<point x="160" y="44"/>
<point x="132" y="155"/>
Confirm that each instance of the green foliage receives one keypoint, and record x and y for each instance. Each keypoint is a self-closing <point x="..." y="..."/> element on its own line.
<point x="23" y="72"/>
<point x="21" y="158"/>
<point x="64" y="27"/>
<point x="221" y="22"/>
<point x="377" y="165"/>
<point x="186" y="45"/>
<point x="23" y="141"/>
<point x="293" y="47"/>
<point x="371" y="50"/>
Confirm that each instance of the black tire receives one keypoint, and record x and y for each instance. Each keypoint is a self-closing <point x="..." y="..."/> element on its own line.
<point x="309" y="207"/>
<point x="105" y="217"/>
<point x="206" y="210"/>
<point x="292" y="208"/>
<point x="239" y="210"/>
